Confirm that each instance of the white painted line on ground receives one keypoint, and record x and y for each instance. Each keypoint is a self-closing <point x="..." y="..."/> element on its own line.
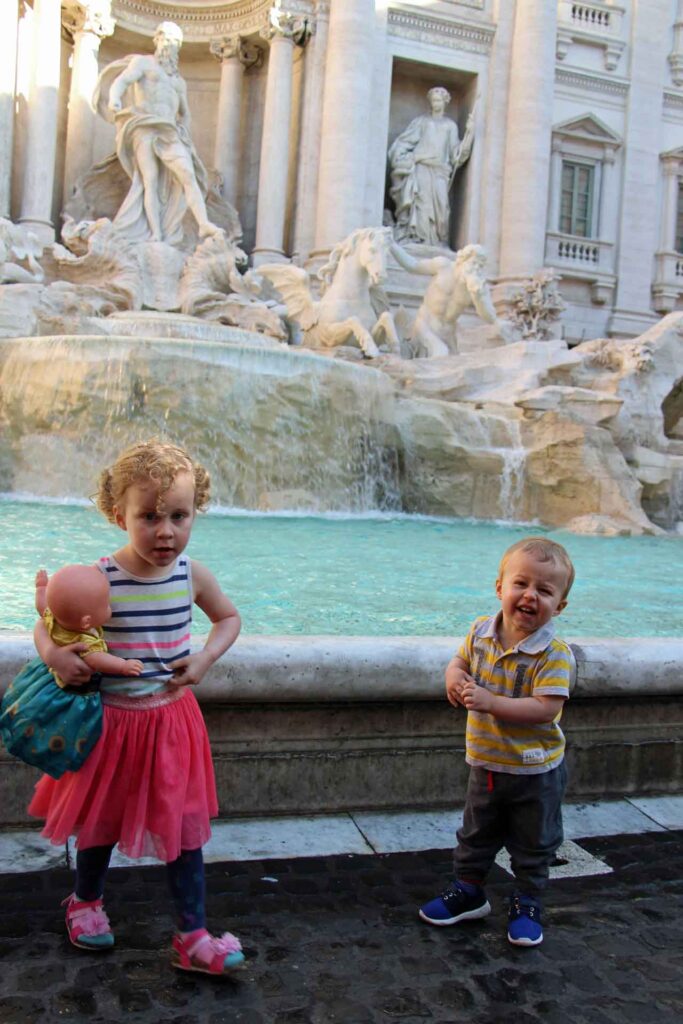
<point x="577" y="862"/>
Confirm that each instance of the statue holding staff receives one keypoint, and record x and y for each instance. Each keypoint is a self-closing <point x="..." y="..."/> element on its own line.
<point x="424" y="159"/>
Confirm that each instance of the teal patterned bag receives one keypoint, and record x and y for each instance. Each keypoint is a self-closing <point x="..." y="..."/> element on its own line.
<point x="47" y="726"/>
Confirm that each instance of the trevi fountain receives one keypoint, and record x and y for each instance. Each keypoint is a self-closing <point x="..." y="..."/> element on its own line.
<point x="356" y="255"/>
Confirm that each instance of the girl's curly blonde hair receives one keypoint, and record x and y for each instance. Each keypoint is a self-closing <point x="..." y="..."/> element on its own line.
<point x="155" y="461"/>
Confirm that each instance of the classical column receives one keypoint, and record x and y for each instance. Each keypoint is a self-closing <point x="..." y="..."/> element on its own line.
<point x="346" y="106"/>
<point x="41" y="142"/>
<point x="88" y="22"/>
<point x="8" y="70"/>
<point x="667" y="237"/>
<point x="283" y="31"/>
<point x="311" y="123"/>
<point x="529" y="127"/>
<point x="235" y="56"/>
<point x="555" y="186"/>
<point x="639" y="231"/>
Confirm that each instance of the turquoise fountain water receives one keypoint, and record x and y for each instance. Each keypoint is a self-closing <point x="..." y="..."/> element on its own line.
<point x="377" y="575"/>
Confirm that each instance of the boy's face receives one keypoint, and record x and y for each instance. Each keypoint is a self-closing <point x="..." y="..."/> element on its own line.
<point x="531" y="593"/>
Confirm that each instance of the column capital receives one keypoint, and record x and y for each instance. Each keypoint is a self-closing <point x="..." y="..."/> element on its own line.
<point x="92" y="16"/>
<point x="236" y="48"/>
<point x="283" y="24"/>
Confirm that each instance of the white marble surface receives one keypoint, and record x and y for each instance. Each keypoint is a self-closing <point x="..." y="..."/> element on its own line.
<point x="410" y="830"/>
<point x="606" y="818"/>
<point x="366" y="832"/>
<point x="666" y="811"/>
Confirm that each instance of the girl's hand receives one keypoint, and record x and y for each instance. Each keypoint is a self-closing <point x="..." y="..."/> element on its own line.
<point x="70" y="668"/>
<point x="476" y="698"/>
<point x="190" y="670"/>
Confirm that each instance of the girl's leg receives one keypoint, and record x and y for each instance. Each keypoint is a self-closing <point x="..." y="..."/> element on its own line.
<point x="86" y="922"/>
<point x="186" y="883"/>
<point x="193" y="948"/>
<point x="92" y="865"/>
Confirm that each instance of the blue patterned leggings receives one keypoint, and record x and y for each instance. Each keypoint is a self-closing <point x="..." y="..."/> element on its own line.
<point x="185" y="881"/>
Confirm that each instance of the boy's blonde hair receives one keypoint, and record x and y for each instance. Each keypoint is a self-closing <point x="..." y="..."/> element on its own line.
<point x="153" y="460"/>
<point x="546" y="551"/>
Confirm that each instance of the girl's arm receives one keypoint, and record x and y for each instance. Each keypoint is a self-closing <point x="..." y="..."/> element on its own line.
<point x="65" y="661"/>
<point x="225" y="628"/>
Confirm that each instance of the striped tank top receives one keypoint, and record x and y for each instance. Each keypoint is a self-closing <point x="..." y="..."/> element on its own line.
<point x="151" y="621"/>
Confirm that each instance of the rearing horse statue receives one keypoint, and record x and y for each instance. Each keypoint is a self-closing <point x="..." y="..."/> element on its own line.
<point x="352" y="306"/>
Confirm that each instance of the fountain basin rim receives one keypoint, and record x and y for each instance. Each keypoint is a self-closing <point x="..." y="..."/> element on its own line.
<point x="334" y="669"/>
<point x="196" y="347"/>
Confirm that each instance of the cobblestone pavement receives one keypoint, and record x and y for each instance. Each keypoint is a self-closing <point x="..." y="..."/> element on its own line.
<point x="337" y="939"/>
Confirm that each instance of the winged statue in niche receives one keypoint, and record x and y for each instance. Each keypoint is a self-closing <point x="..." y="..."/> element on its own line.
<point x="352" y="308"/>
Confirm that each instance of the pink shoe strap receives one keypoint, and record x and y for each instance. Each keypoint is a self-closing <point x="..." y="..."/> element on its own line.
<point x="209" y="949"/>
<point x="86" y="917"/>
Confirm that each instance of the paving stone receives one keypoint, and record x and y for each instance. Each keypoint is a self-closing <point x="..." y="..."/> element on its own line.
<point x="340" y="943"/>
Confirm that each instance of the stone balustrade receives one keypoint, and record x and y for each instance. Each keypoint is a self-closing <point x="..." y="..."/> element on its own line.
<point x="594" y="23"/>
<point x="325" y="724"/>
<point x="587" y="258"/>
<point x="667" y="287"/>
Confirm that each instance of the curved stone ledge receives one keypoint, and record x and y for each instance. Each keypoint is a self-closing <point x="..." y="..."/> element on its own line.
<point x="304" y="725"/>
<point x="359" y="669"/>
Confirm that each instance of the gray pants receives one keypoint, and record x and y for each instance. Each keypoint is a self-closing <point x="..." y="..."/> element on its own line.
<point x="522" y="813"/>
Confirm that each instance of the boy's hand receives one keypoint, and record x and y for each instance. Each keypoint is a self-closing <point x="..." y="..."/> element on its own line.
<point x="133" y="667"/>
<point x="41" y="578"/>
<point x="456" y="678"/>
<point x="476" y="698"/>
<point x="190" y="670"/>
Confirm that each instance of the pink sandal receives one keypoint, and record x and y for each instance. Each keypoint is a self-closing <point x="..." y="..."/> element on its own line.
<point x="200" y="951"/>
<point x="87" y="924"/>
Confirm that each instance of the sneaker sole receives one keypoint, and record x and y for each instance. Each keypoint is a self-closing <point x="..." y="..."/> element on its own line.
<point x="469" y="915"/>
<point x="525" y="942"/>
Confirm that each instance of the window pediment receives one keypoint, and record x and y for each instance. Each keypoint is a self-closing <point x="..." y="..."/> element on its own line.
<point x="587" y="128"/>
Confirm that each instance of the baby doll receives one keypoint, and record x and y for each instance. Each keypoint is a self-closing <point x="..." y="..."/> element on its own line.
<point x="74" y="605"/>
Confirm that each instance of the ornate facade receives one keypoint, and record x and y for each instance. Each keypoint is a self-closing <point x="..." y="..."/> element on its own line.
<point x="577" y="161"/>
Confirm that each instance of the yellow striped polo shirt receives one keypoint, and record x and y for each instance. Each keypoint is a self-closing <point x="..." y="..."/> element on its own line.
<point x="538" y="665"/>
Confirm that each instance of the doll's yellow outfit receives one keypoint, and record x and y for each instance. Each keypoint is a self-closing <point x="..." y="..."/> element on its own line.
<point x="62" y="637"/>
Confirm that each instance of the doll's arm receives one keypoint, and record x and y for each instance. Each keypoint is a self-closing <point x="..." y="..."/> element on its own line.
<point x="41" y="591"/>
<point x="101" y="661"/>
<point x="65" y="661"/>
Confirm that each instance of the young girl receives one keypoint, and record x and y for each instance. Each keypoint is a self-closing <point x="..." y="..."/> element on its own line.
<point x="148" y="784"/>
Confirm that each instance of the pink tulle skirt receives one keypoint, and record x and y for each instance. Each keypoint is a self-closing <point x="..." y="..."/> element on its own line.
<point x="148" y="784"/>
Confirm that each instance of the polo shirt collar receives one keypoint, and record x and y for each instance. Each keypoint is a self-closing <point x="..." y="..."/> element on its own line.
<point x="533" y="644"/>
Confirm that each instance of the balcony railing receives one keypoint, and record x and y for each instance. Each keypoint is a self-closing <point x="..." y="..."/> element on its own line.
<point x="667" y="288"/>
<point x="588" y="259"/>
<point x="594" y="23"/>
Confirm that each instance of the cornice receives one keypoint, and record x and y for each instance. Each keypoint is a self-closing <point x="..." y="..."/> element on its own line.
<point x="201" y="22"/>
<point x="590" y="82"/>
<point x="450" y="33"/>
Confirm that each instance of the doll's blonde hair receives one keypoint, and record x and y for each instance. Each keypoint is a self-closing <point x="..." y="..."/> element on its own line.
<point x="546" y="551"/>
<point x="155" y="461"/>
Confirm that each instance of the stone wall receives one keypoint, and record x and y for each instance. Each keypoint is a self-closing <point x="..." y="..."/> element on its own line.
<point x="317" y="724"/>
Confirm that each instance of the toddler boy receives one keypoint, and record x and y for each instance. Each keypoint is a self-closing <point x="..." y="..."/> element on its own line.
<point x="513" y="676"/>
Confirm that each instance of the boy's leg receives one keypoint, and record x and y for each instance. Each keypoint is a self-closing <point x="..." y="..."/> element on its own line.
<point x="482" y="833"/>
<point x="534" y="835"/>
<point x="86" y="922"/>
<point x="479" y="840"/>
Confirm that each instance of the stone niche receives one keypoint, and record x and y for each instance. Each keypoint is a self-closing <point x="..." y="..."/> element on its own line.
<point x="411" y="81"/>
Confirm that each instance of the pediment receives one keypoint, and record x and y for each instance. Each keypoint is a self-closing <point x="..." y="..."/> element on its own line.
<point x="589" y="128"/>
<point x="675" y="154"/>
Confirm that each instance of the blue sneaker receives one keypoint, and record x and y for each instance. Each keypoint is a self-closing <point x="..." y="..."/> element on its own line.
<point x="524" y="922"/>
<point x="459" y="902"/>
